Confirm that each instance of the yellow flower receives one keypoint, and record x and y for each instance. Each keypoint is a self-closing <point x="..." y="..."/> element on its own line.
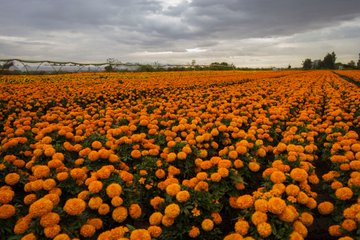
<point x="40" y="207"/>
<point x="172" y="210"/>
<point x="194" y="232"/>
<point x="196" y="212"/>
<point x="245" y="201"/>
<point x="7" y="211"/>
<point x="74" y="206"/>
<point x="276" y="205"/>
<point x="135" y="211"/>
<point x="119" y="214"/>
<point x="242" y="227"/>
<point x="207" y="225"/>
<point x="264" y="229"/>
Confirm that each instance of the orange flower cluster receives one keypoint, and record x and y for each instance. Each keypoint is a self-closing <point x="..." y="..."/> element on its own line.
<point x="174" y="155"/>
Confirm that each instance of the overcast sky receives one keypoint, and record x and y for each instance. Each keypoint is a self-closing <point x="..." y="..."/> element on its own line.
<point x="248" y="33"/>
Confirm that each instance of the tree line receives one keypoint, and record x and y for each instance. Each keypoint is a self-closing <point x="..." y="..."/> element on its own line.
<point x="329" y="62"/>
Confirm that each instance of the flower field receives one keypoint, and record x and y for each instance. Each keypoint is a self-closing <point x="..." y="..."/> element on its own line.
<point x="180" y="155"/>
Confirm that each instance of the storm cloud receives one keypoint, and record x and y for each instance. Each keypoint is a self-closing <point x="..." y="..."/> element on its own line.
<point x="249" y="33"/>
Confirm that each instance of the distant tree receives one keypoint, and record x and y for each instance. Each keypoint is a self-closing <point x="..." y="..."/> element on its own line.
<point x="352" y="64"/>
<point x="329" y="61"/>
<point x="307" y="64"/>
<point x="289" y="67"/>
<point x="358" y="63"/>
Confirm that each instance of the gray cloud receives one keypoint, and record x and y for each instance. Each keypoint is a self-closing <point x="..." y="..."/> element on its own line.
<point x="253" y="32"/>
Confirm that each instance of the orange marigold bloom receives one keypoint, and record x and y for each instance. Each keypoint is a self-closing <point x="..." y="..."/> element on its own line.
<point x="96" y="222"/>
<point x="7" y="211"/>
<point x="29" y="236"/>
<point x="254" y="166"/>
<point x="93" y="155"/>
<point x="264" y="229"/>
<point x="104" y="209"/>
<point x="277" y="177"/>
<point x="325" y="208"/>
<point x="287" y="215"/>
<point x="173" y="189"/>
<point x="155" y="218"/>
<point x="172" y="210"/>
<point x="261" y="205"/>
<point x="135" y="211"/>
<point x="216" y="217"/>
<point x="95" y="186"/>
<point x="300" y="228"/>
<point x="194" y="232"/>
<point x="117" y="201"/>
<point x="299" y="174"/>
<point x="156" y="202"/>
<point x="52" y="231"/>
<point x="22" y="224"/>
<point x="120" y="214"/>
<point x="160" y="173"/>
<point x="207" y="225"/>
<point x="292" y="190"/>
<point x="87" y="230"/>
<point x="74" y="206"/>
<point x="136" y="154"/>
<point x="113" y="190"/>
<point x="40" y="207"/>
<point x="96" y="145"/>
<point x="349" y="225"/>
<point x="12" y="179"/>
<point x="344" y="193"/>
<point x="62" y="236"/>
<point x="242" y="227"/>
<point x="245" y="201"/>
<point x="95" y="202"/>
<point x="155" y="231"/>
<point x="233" y="236"/>
<point x="49" y="219"/>
<point x="335" y="230"/>
<point x="167" y="221"/>
<point x="6" y="195"/>
<point x="41" y="171"/>
<point x="306" y="218"/>
<point x="183" y="196"/>
<point x="276" y="205"/>
<point x="258" y="217"/>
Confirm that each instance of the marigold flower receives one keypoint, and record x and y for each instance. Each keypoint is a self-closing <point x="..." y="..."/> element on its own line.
<point x="306" y="218"/>
<point x="344" y="193"/>
<point x="242" y="227"/>
<point x="254" y="166"/>
<point x="118" y="232"/>
<point x="292" y="190"/>
<point x="135" y="211"/>
<point x="182" y="196"/>
<point x="113" y="190"/>
<point x="52" y="231"/>
<point x="335" y="230"/>
<point x="224" y="172"/>
<point x="233" y="236"/>
<point x="261" y="205"/>
<point x="29" y="236"/>
<point x="299" y="174"/>
<point x="245" y="201"/>
<point x="173" y="189"/>
<point x="74" y="206"/>
<point x="155" y="231"/>
<point x="264" y="229"/>
<point x="207" y="225"/>
<point x="156" y="202"/>
<point x="287" y="215"/>
<point x="300" y="228"/>
<point x="22" y="224"/>
<point x="62" y="236"/>
<point x="325" y="208"/>
<point x="119" y="214"/>
<point x="95" y="186"/>
<point x="216" y="217"/>
<point x="6" y="195"/>
<point x="87" y="230"/>
<point x="117" y="201"/>
<point x="194" y="232"/>
<point x="7" y="211"/>
<point x="172" y="210"/>
<point x="258" y="217"/>
<point x="295" y="236"/>
<point x="167" y="221"/>
<point x="349" y="225"/>
<point x="49" y="219"/>
<point x="96" y="222"/>
<point x="40" y="207"/>
<point x="277" y="177"/>
<point x="104" y="209"/>
<point x="40" y="171"/>
<point x="155" y="218"/>
<point x="276" y="205"/>
<point x="12" y="179"/>
<point x="160" y="173"/>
